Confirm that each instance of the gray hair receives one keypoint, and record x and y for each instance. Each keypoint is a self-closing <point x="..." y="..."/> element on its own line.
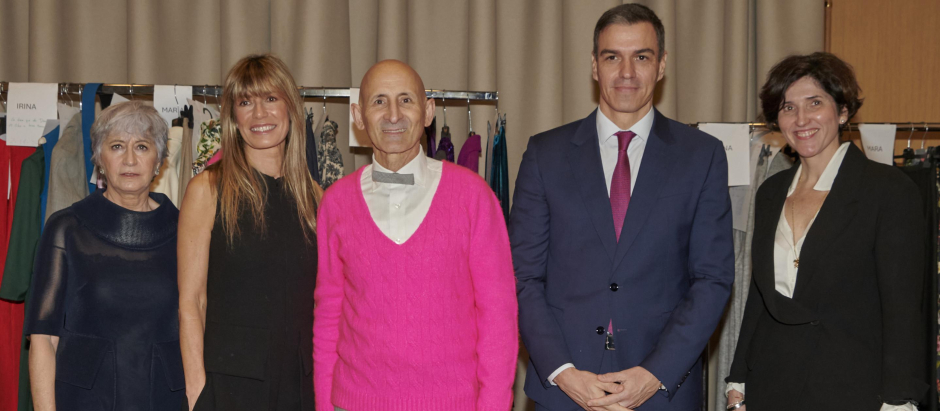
<point x="133" y="118"/>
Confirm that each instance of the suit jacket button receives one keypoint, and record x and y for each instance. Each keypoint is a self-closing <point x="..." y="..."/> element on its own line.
<point x="600" y="330"/>
<point x="614" y="287"/>
<point x="814" y="322"/>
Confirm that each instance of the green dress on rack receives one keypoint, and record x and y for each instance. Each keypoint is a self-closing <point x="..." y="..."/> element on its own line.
<point x="24" y="237"/>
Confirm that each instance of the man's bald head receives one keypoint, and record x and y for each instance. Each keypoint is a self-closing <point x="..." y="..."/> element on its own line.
<point x="390" y="71"/>
<point x="393" y="109"/>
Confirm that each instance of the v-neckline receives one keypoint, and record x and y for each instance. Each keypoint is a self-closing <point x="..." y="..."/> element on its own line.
<point x="431" y="208"/>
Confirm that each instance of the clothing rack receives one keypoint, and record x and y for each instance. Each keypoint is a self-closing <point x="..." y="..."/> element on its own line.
<point x="906" y="126"/>
<point x="214" y="90"/>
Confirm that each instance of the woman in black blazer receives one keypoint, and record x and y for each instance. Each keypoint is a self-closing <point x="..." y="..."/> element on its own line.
<point x="833" y="319"/>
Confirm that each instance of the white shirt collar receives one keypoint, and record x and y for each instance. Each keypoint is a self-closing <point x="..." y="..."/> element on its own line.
<point x="828" y="175"/>
<point x="607" y="129"/>
<point x="417" y="166"/>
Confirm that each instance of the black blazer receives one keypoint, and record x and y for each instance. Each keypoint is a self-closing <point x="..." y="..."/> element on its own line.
<point x="852" y="336"/>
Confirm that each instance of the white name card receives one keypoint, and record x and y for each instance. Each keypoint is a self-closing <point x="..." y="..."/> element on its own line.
<point x="878" y="141"/>
<point x="30" y="106"/>
<point x="735" y="138"/>
<point x="169" y="100"/>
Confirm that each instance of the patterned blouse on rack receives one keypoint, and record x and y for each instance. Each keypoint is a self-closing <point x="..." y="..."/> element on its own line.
<point x="209" y="142"/>
<point x="328" y="156"/>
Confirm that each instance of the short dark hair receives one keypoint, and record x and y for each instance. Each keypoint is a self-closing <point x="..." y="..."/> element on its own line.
<point x="833" y="75"/>
<point x="631" y="13"/>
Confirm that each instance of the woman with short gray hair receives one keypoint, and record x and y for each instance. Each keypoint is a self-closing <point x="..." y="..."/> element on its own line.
<point x="102" y="316"/>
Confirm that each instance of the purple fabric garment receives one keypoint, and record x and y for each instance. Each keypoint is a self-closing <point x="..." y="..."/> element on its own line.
<point x="445" y="148"/>
<point x="431" y="132"/>
<point x="470" y="153"/>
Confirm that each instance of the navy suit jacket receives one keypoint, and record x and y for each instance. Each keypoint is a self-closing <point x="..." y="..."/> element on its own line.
<point x="664" y="284"/>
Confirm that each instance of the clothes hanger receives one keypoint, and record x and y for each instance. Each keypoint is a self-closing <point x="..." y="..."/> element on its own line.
<point x="923" y="140"/>
<point x="444" y="106"/>
<point x="325" y="114"/>
<point x="205" y="103"/>
<point x="469" y="118"/>
<point x="908" y="153"/>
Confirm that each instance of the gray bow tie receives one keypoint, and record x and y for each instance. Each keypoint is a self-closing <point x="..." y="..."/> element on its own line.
<point x="393" y="178"/>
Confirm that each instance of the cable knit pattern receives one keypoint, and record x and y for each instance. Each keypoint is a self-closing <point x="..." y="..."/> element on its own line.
<point x="430" y="324"/>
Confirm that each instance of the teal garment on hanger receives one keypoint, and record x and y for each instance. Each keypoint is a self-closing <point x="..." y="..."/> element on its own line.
<point x="88" y="118"/>
<point x="499" y="179"/>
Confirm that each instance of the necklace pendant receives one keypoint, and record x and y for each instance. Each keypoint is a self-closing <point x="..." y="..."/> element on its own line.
<point x="796" y="263"/>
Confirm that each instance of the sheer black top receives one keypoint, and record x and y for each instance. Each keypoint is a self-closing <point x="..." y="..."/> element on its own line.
<point x="105" y="283"/>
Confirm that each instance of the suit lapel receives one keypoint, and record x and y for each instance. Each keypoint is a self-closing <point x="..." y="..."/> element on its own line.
<point x="836" y="213"/>
<point x="655" y="168"/>
<point x="765" y="229"/>
<point x="783" y="309"/>
<point x="584" y="159"/>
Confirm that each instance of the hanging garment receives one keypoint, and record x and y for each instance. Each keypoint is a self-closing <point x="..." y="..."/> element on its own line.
<point x="924" y="176"/>
<point x="431" y="133"/>
<point x="767" y="164"/>
<point x="105" y="284"/>
<point x="25" y="230"/>
<point x="445" y="150"/>
<point x="500" y="177"/>
<point x="51" y="139"/>
<point x="251" y="360"/>
<point x="88" y="118"/>
<point x="210" y="139"/>
<point x="186" y="159"/>
<point x="18" y="270"/>
<point x="168" y="180"/>
<point x="11" y="313"/>
<point x="470" y="153"/>
<point x="488" y="163"/>
<point x="68" y="182"/>
<point x="328" y="155"/>
<point x="312" y="151"/>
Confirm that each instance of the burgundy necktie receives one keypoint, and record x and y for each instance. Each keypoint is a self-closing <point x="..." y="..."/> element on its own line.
<point x="620" y="183"/>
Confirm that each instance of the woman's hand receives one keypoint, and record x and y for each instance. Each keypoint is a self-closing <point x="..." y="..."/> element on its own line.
<point x="735" y="397"/>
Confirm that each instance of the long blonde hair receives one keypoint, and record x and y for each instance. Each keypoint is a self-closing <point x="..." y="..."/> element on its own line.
<point x="233" y="178"/>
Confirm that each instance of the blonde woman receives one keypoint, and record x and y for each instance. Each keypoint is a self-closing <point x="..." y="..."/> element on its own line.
<point x="247" y="252"/>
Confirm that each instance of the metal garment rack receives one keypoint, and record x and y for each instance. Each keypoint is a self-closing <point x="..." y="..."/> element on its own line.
<point x="320" y="92"/>
<point x="905" y="126"/>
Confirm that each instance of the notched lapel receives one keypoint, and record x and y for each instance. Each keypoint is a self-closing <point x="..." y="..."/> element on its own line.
<point x="783" y="309"/>
<point x="655" y="169"/>
<point x="584" y="159"/>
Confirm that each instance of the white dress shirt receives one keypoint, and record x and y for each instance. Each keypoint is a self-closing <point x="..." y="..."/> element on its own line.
<point x="399" y="209"/>
<point x="610" y="146"/>
<point x="607" y="138"/>
<point x="785" y="251"/>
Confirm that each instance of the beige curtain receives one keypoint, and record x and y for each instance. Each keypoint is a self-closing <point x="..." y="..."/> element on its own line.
<point x="536" y="53"/>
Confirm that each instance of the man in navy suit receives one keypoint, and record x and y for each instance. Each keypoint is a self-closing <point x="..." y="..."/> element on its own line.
<point x="621" y="240"/>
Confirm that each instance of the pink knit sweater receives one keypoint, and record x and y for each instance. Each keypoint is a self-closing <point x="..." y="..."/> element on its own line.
<point x="430" y="324"/>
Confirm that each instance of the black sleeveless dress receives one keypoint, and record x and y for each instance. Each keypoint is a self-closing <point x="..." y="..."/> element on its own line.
<point x="259" y="315"/>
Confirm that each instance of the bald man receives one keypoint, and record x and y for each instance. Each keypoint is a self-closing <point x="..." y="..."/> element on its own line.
<point x="415" y="297"/>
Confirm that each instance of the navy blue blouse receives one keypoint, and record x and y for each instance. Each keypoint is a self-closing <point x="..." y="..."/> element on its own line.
<point x="105" y="283"/>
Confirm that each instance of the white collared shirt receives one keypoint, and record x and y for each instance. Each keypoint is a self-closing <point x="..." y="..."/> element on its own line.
<point x="610" y="146"/>
<point x="607" y="138"/>
<point x="785" y="251"/>
<point x="399" y="209"/>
